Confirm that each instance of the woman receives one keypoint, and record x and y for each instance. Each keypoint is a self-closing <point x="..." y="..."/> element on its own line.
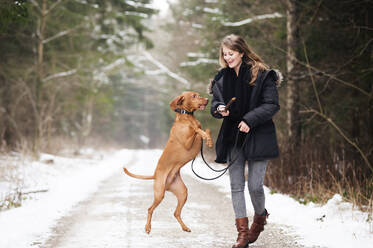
<point x="247" y="122"/>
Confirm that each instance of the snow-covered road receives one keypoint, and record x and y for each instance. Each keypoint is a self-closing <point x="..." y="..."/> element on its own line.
<point x="92" y="203"/>
<point x="115" y="216"/>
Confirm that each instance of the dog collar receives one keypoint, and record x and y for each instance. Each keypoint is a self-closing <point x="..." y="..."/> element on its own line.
<point x="183" y="111"/>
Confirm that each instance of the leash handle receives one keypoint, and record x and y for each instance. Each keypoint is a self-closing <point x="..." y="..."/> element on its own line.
<point x="228" y="105"/>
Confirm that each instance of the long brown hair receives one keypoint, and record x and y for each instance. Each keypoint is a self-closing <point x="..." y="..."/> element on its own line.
<point x="236" y="43"/>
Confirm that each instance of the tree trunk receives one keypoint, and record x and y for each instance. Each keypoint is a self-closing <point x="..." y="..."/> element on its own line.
<point x="368" y="22"/>
<point x="7" y="137"/>
<point x="370" y="129"/>
<point x="292" y="105"/>
<point x="41" y="32"/>
<point x="40" y="75"/>
<point x="85" y="127"/>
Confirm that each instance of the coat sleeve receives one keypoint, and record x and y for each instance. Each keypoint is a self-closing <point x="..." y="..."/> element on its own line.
<point x="217" y="98"/>
<point x="268" y="103"/>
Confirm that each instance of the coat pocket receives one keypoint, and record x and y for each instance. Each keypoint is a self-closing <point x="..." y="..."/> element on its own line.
<point x="262" y="145"/>
<point x="267" y="127"/>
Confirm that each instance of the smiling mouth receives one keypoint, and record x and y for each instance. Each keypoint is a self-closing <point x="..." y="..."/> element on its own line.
<point x="201" y="107"/>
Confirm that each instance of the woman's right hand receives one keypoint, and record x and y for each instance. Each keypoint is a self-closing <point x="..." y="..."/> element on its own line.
<point x="222" y="110"/>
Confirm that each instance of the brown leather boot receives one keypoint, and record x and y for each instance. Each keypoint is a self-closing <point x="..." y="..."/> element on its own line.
<point x="242" y="225"/>
<point x="257" y="227"/>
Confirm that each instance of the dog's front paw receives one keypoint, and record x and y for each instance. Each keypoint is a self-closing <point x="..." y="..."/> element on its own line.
<point x="208" y="138"/>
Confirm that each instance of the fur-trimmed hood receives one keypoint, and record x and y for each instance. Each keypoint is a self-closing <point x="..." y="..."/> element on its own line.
<point x="280" y="77"/>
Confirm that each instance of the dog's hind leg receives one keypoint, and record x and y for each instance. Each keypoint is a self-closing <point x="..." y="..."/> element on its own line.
<point x="159" y="190"/>
<point x="181" y="192"/>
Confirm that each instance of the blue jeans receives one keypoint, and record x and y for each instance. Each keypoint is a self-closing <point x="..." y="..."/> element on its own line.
<point x="256" y="173"/>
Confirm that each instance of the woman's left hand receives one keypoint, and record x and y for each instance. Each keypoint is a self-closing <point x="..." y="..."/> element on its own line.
<point x="243" y="127"/>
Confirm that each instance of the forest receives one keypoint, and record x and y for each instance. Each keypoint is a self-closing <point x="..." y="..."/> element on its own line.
<point x="75" y="73"/>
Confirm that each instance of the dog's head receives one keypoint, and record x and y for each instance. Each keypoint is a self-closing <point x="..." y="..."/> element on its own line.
<point x="189" y="101"/>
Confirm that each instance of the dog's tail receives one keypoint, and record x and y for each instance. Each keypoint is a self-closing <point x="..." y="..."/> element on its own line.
<point x="137" y="176"/>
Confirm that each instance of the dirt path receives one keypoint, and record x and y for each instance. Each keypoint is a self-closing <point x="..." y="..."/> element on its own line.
<point x="115" y="217"/>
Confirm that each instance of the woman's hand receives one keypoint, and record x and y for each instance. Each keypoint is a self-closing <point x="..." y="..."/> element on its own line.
<point x="243" y="127"/>
<point x="222" y="110"/>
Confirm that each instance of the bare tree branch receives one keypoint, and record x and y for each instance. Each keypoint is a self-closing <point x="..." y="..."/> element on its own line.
<point x="315" y="13"/>
<point x="113" y="65"/>
<point x="325" y="73"/>
<point x="339" y="130"/>
<point x="53" y="6"/>
<point x="363" y="27"/>
<point x="60" y="34"/>
<point x="356" y="56"/>
<point x="32" y="101"/>
<point x="348" y="84"/>
<point x="34" y="191"/>
<point x="36" y="5"/>
<point x="60" y="74"/>
<point x="165" y="69"/>
<point x="255" y="18"/>
<point x="312" y="79"/>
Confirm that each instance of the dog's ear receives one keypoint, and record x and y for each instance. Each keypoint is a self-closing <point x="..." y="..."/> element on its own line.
<point x="176" y="102"/>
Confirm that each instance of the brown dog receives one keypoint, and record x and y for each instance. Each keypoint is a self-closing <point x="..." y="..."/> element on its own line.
<point x="183" y="145"/>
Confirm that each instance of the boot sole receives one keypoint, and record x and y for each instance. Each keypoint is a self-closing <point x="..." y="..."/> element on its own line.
<point x="242" y="246"/>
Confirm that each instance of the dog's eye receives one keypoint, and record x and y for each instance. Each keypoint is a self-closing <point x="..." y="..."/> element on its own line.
<point x="194" y="96"/>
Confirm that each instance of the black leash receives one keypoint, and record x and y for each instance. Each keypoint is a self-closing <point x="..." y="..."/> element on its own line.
<point x="230" y="161"/>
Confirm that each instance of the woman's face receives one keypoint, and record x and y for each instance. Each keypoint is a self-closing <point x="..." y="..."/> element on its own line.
<point x="233" y="58"/>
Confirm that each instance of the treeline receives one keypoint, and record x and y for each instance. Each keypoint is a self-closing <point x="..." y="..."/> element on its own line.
<point x="66" y="72"/>
<point x="324" y="50"/>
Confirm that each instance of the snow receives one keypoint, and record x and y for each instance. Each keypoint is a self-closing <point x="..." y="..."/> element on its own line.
<point x="134" y="13"/>
<point x="162" y="67"/>
<point x="197" y="55"/>
<point x="249" y="20"/>
<point x="144" y="139"/>
<point x="212" y="11"/>
<point x="61" y="74"/>
<point x="162" y="6"/>
<point x="199" y="61"/>
<point x="337" y="224"/>
<point x="197" y="25"/>
<point x="136" y="4"/>
<point x="70" y="180"/>
<point x="202" y="58"/>
<point x="113" y="65"/>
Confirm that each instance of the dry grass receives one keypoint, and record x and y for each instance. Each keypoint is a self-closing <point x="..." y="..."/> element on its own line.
<point x="11" y="180"/>
<point x="313" y="175"/>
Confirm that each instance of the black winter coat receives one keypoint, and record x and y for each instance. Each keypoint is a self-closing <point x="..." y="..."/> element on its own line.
<point x="261" y="143"/>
